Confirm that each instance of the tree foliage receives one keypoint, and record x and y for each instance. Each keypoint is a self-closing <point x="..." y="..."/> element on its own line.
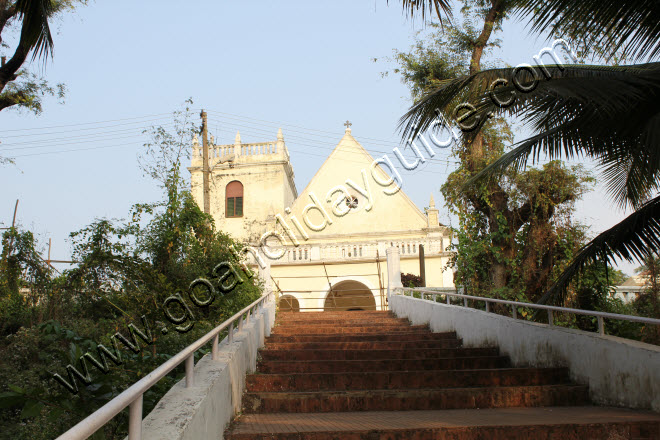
<point x="607" y="113"/>
<point x="31" y="21"/>
<point x="125" y="270"/>
<point x="511" y="230"/>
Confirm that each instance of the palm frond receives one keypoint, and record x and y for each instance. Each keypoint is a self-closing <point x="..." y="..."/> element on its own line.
<point x="35" y="31"/>
<point x="414" y="7"/>
<point x="633" y="24"/>
<point x="608" y="113"/>
<point x="634" y="238"/>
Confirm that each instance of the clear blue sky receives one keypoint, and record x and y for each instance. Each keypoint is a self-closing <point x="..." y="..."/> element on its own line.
<point x="304" y="66"/>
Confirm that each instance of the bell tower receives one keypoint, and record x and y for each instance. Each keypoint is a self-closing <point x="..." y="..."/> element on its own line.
<point x="249" y="184"/>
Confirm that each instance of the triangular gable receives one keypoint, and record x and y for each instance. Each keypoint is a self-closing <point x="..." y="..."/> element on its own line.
<point x="346" y="169"/>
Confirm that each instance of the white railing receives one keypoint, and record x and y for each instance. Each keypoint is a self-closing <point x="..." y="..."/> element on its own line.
<point x="132" y="396"/>
<point x="258" y="148"/>
<point x="600" y="316"/>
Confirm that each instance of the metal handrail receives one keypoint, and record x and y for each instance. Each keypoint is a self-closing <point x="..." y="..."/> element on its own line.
<point x="550" y="309"/>
<point x="132" y="396"/>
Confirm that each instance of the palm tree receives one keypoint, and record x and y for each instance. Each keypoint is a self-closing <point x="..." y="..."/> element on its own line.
<point x="610" y="114"/>
<point x="35" y="38"/>
<point x="414" y="7"/>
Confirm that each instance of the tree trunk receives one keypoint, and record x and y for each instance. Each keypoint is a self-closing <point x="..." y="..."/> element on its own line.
<point x="499" y="272"/>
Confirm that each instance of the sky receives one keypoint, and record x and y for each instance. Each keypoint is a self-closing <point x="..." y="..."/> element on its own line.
<point x="306" y="67"/>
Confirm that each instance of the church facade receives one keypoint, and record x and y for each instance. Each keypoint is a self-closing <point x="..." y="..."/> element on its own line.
<point x="326" y="245"/>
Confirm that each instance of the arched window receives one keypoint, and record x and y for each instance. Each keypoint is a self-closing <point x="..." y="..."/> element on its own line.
<point x="234" y="199"/>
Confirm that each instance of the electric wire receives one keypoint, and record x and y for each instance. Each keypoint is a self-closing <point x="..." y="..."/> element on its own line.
<point x="305" y="138"/>
<point x="84" y="123"/>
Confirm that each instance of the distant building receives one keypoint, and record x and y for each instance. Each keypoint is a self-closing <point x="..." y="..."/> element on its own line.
<point x="329" y="241"/>
<point x="631" y="288"/>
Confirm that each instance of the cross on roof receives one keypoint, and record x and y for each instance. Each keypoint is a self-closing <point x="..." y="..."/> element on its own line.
<point x="347" y="124"/>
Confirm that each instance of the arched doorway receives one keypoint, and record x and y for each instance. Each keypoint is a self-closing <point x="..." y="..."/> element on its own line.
<point x="289" y="303"/>
<point x="349" y="295"/>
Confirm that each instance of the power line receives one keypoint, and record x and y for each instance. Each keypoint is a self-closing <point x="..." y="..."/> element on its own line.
<point x="67" y="140"/>
<point x="82" y="129"/>
<point x="141" y="144"/>
<point x="304" y="133"/>
<point x="298" y="126"/>
<point x="83" y="123"/>
<point x="74" y="150"/>
<point x="306" y="138"/>
<point x="332" y="145"/>
<point x="334" y="136"/>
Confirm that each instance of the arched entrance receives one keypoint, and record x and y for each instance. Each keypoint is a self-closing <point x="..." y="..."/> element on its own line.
<point x="289" y="303"/>
<point x="349" y="295"/>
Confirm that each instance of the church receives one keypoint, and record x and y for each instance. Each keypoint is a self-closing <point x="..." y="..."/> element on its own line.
<point x="325" y="246"/>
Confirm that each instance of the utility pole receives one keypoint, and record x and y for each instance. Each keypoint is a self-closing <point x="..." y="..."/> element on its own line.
<point x="422" y="265"/>
<point x="12" y="230"/>
<point x="205" y="163"/>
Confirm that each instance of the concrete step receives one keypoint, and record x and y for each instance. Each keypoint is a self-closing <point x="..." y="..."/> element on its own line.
<point x="348" y="318"/>
<point x="554" y="423"/>
<point x="370" y="322"/>
<point x="367" y="345"/>
<point x="360" y="337"/>
<point x="333" y="355"/>
<point x="284" y="367"/>
<point x="405" y="380"/>
<point x="418" y="399"/>
<point x="281" y="316"/>
<point x="338" y="329"/>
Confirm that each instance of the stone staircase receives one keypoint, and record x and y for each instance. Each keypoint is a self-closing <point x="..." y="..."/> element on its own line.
<point x="369" y="375"/>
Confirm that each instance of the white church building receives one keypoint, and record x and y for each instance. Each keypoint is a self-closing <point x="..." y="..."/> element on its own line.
<point x="325" y="245"/>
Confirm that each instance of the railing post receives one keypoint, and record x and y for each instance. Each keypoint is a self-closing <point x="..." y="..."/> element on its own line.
<point x="214" y="348"/>
<point x="240" y="323"/>
<point x="393" y="271"/>
<point x="487" y="307"/>
<point x="230" y="335"/>
<point x="135" y="419"/>
<point x="435" y="297"/>
<point x="263" y="268"/>
<point x="515" y="311"/>
<point x="465" y="302"/>
<point x="601" y="325"/>
<point x="448" y="300"/>
<point x="551" y="318"/>
<point x="190" y="369"/>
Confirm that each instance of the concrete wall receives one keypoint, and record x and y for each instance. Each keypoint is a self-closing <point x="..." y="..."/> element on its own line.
<point x="619" y="372"/>
<point x="205" y="410"/>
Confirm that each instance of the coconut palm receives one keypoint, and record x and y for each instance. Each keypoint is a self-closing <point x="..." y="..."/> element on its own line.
<point x="414" y="7"/>
<point x="609" y="114"/>
<point x="35" y="38"/>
